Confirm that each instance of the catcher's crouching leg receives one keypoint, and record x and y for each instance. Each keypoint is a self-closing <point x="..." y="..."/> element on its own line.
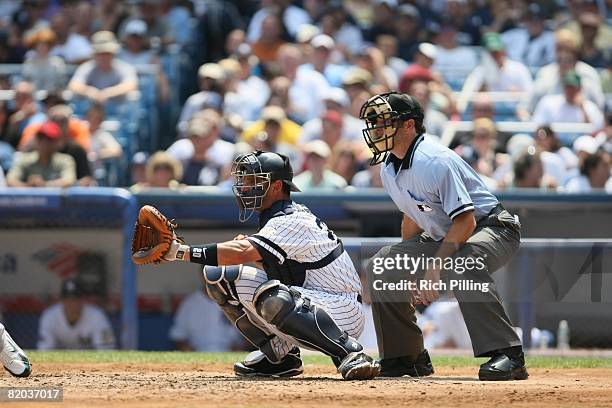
<point x="312" y="327"/>
<point x="263" y="362"/>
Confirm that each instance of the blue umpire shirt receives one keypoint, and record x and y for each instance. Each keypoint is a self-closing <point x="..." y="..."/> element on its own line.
<point x="432" y="185"/>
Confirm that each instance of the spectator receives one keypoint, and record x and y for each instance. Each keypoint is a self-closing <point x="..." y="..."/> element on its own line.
<point x="388" y="45"/>
<point x="199" y="169"/>
<point x="234" y="40"/>
<point x="78" y="130"/>
<point x="211" y="95"/>
<point x="136" y="51"/>
<point x="344" y="160"/>
<point x="532" y="44"/>
<point x="461" y="14"/>
<point x="384" y="20"/>
<point x="547" y="141"/>
<point x="83" y="18"/>
<point x="435" y="121"/>
<point x="105" y="78"/>
<point x="528" y="172"/>
<point x="339" y="25"/>
<point x="42" y="70"/>
<point x="452" y="60"/>
<point x="368" y="178"/>
<point x="199" y="325"/>
<point x="290" y="17"/>
<point x="274" y="121"/>
<point x="484" y="142"/>
<point x="407" y="32"/>
<point x="267" y="45"/>
<point x="335" y="100"/>
<point x="44" y="167"/>
<point x="215" y="24"/>
<point x="25" y="112"/>
<point x="372" y="60"/>
<point x="318" y="175"/>
<point x="73" y="48"/>
<point x="355" y="81"/>
<point x="570" y="107"/>
<point x="104" y="146"/>
<point x="497" y="73"/>
<point x="109" y="15"/>
<point x="251" y="92"/>
<point x="594" y="174"/>
<point x="470" y="156"/>
<point x="548" y="80"/>
<point x="72" y="324"/>
<point x="157" y="25"/>
<point x="219" y="153"/>
<point x="590" y="26"/>
<point x="322" y="49"/>
<point x="162" y="171"/>
<point x="138" y="168"/>
<point x="2" y="179"/>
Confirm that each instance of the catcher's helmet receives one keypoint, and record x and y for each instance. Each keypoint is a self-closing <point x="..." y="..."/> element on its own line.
<point x="382" y="114"/>
<point x="253" y="172"/>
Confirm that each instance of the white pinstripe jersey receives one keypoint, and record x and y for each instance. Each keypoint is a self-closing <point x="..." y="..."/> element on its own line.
<point x="301" y="236"/>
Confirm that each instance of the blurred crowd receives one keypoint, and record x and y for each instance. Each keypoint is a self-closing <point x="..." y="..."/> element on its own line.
<point x="212" y="79"/>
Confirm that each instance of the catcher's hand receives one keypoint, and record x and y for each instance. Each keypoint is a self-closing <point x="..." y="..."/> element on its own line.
<point x="154" y="238"/>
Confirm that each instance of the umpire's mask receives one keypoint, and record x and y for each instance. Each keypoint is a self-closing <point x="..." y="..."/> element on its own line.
<point x="253" y="173"/>
<point x="382" y="115"/>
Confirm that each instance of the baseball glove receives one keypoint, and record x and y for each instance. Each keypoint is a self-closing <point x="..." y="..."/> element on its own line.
<point x="153" y="236"/>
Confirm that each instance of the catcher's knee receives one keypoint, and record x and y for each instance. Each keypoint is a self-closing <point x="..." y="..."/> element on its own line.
<point x="273" y="301"/>
<point x="219" y="281"/>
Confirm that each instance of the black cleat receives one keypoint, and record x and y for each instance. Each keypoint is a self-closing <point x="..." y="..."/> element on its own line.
<point x="400" y="366"/>
<point x="359" y="366"/>
<point x="257" y="364"/>
<point x="502" y="367"/>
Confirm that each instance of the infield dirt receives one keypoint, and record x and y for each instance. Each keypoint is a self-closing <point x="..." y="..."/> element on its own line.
<point x="213" y="385"/>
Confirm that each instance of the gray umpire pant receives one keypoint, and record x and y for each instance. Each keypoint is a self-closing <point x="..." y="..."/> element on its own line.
<point x="495" y="239"/>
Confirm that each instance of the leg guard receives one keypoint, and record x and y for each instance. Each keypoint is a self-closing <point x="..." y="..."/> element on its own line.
<point x="220" y="288"/>
<point x="309" y="325"/>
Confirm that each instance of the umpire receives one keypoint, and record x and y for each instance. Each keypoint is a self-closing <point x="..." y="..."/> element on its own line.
<point x="448" y="211"/>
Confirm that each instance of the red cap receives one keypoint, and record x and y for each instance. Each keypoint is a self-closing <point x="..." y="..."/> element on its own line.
<point x="333" y="116"/>
<point x="50" y="130"/>
<point x="412" y="73"/>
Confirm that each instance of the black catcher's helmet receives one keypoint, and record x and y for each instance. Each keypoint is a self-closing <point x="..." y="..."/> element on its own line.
<point x="382" y="114"/>
<point x="253" y="172"/>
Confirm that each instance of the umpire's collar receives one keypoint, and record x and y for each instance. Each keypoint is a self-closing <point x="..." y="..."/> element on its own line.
<point x="278" y="208"/>
<point x="406" y="162"/>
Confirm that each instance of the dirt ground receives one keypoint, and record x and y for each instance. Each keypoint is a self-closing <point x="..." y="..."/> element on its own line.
<point x="185" y="385"/>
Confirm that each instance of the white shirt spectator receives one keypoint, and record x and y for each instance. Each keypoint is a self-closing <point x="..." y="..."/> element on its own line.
<point x="293" y="18"/>
<point x="307" y="92"/>
<point x="76" y="49"/>
<point x="533" y="52"/>
<point x="511" y="77"/>
<point x="548" y="82"/>
<point x="200" y="323"/>
<point x="249" y="98"/>
<point x="92" y="331"/>
<point x="446" y="326"/>
<point x="555" y="108"/>
<point x="351" y="129"/>
<point x="579" y="184"/>
<point x="2" y="179"/>
<point x="455" y="63"/>
<point x="219" y="154"/>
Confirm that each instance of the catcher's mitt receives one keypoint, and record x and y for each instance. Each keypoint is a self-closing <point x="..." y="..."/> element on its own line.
<point x="153" y="235"/>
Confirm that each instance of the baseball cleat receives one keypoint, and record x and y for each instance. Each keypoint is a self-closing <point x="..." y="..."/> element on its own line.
<point x="400" y="366"/>
<point x="12" y="356"/>
<point x="502" y="367"/>
<point x="359" y="366"/>
<point x="257" y="364"/>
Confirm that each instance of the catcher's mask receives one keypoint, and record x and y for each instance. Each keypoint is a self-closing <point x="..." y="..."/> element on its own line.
<point x="253" y="173"/>
<point x="383" y="115"/>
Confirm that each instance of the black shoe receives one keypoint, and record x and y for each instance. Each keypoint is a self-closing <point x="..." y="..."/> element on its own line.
<point x="359" y="366"/>
<point x="257" y="364"/>
<point x="400" y="366"/>
<point x="502" y="367"/>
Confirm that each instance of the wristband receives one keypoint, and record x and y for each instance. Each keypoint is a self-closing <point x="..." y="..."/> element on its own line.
<point x="204" y="254"/>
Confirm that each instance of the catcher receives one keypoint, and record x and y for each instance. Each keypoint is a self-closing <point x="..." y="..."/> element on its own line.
<point x="305" y="291"/>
